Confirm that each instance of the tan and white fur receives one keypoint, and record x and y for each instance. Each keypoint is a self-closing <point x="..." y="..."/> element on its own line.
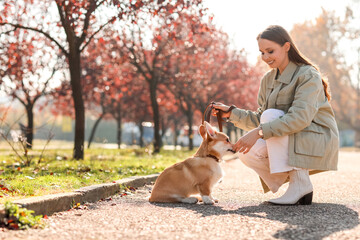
<point x="195" y="175"/>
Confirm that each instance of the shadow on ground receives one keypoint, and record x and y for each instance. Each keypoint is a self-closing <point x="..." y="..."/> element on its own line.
<point x="316" y="221"/>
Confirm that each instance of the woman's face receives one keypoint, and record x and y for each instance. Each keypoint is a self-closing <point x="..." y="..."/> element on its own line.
<point x="275" y="55"/>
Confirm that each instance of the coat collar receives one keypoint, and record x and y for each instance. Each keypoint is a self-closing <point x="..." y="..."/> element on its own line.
<point x="288" y="73"/>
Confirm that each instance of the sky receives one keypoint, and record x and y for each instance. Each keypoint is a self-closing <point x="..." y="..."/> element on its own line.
<point x="243" y="20"/>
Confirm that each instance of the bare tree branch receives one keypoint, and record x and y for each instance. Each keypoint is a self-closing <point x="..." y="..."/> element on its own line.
<point x="43" y="93"/>
<point x="91" y="9"/>
<point x="92" y="36"/>
<point x="39" y="31"/>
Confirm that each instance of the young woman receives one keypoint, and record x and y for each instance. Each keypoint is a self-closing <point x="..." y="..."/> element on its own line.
<point x="293" y="132"/>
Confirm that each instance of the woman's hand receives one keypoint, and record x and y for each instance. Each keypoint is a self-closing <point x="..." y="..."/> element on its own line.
<point x="220" y="106"/>
<point x="246" y="142"/>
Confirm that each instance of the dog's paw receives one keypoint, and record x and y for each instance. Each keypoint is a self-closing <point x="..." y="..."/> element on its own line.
<point x="198" y="198"/>
<point x="207" y="200"/>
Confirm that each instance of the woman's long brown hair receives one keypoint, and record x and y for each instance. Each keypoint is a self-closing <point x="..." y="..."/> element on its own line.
<point x="279" y="35"/>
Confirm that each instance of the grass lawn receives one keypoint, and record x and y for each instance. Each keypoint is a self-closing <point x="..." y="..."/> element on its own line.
<point x="58" y="172"/>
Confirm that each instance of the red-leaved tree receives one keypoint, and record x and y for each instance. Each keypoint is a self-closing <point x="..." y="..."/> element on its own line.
<point x="205" y="69"/>
<point x="150" y="49"/>
<point x="27" y="68"/>
<point x="73" y="27"/>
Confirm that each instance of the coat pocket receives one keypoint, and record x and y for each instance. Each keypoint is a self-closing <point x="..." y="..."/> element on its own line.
<point x="310" y="141"/>
<point x="285" y="95"/>
<point x="283" y="103"/>
<point x="283" y="100"/>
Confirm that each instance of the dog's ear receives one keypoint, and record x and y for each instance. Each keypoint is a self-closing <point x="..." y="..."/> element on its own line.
<point x="210" y="131"/>
<point x="202" y="131"/>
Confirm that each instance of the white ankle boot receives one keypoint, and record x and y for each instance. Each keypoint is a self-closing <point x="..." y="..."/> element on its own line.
<point x="300" y="189"/>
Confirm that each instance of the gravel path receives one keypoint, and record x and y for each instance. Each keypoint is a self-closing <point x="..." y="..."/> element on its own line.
<point x="240" y="214"/>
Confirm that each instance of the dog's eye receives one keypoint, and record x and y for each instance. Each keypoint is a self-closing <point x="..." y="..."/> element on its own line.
<point x="227" y="140"/>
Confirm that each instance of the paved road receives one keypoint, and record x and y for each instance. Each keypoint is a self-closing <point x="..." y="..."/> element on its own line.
<point x="240" y="214"/>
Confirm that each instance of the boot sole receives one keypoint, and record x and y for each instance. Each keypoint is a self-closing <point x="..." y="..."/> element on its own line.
<point x="305" y="200"/>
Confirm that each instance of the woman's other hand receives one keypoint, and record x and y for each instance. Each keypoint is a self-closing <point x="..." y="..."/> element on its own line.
<point x="246" y="142"/>
<point x="220" y="106"/>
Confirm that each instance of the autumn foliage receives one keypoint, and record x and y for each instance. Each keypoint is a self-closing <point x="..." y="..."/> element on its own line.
<point x="322" y="44"/>
<point x="27" y="72"/>
<point x="158" y="61"/>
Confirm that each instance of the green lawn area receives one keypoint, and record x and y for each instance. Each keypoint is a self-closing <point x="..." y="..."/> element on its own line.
<point x="58" y="172"/>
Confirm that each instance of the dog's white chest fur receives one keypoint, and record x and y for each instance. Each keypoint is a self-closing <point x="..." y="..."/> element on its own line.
<point x="219" y="172"/>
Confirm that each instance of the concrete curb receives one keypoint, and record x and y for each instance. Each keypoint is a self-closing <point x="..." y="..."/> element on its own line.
<point x="49" y="204"/>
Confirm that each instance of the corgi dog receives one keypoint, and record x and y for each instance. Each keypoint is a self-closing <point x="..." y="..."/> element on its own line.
<point x="195" y="175"/>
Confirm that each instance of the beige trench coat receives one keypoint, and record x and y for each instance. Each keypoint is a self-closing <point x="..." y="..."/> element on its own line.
<point x="309" y="119"/>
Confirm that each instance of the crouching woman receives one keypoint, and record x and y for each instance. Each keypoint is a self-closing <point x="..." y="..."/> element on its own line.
<point x="293" y="133"/>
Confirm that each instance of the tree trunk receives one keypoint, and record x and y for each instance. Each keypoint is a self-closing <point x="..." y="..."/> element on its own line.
<point x="29" y="130"/>
<point x="93" y="130"/>
<point x="141" y="139"/>
<point x="357" y="138"/>
<point x="231" y="132"/>
<point x="163" y="131"/>
<point x="77" y="94"/>
<point x="119" y="130"/>
<point x="190" y="123"/>
<point x="176" y="133"/>
<point x="228" y="129"/>
<point x="156" y="117"/>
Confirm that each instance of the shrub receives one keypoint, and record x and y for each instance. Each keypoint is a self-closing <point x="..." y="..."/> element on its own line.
<point x="21" y="218"/>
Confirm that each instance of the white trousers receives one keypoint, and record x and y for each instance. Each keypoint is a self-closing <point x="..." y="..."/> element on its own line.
<point x="269" y="158"/>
